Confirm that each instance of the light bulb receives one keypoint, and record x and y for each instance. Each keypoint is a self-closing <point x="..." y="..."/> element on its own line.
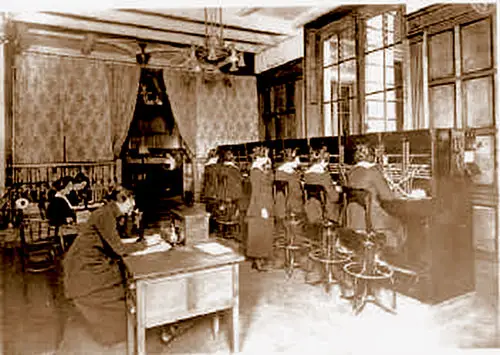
<point x="241" y="60"/>
<point x="234" y="67"/>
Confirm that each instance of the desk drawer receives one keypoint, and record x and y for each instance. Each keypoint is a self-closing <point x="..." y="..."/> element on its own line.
<point x="211" y="289"/>
<point x="183" y="296"/>
<point x="164" y="297"/>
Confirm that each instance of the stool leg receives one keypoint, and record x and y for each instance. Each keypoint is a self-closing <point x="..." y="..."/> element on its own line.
<point x="394" y="295"/>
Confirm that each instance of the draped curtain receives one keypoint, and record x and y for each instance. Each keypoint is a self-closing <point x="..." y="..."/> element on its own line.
<point x="417" y="86"/>
<point x="181" y="91"/>
<point x="71" y="109"/>
<point x="37" y="112"/>
<point x="85" y="107"/>
<point x="123" y="81"/>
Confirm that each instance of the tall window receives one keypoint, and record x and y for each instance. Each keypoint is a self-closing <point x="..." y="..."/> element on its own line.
<point x="339" y="81"/>
<point x="383" y="58"/>
<point x="362" y="67"/>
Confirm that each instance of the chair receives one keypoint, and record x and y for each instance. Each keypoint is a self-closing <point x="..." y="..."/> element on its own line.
<point x="40" y="245"/>
<point x="366" y="270"/>
<point x="227" y="212"/>
<point x="326" y="253"/>
<point x="288" y="241"/>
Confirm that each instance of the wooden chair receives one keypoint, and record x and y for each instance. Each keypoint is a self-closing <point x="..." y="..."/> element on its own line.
<point x="40" y="245"/>
<point x="366" y="270"/>
<point x="288" y="241"/>
<point x="227" y="212"/>
<point x="326" y="253"/>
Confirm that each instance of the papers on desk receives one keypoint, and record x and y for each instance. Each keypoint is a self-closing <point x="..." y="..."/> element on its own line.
<point x="213" y="248"/>
<point x="160" y="247"/>
<point x="128" y="240"/>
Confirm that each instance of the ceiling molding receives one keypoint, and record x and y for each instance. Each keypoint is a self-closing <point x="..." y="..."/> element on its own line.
<point x="121" y="30"/>
<point x="254" y="22"/>
<point x="312" y="14"/>
<point x="155" y="22"/>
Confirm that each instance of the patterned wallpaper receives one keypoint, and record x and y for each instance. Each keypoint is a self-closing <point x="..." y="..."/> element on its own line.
<point x="37" y="117"/>
<point x="72" y="100"/>
<point x="85" y="109"/>
<point x="227" y="112"/>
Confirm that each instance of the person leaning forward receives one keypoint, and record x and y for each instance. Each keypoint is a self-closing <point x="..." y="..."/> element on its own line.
<point x="93" y="277"/>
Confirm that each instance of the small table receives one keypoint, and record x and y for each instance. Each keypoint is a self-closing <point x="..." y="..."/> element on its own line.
<point x="181" y="283"/>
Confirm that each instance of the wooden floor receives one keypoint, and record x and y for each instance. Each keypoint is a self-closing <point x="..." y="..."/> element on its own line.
<point x="277" y="315"/>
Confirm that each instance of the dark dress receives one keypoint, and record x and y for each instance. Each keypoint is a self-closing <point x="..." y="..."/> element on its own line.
<point x="210" y="177"/>
<point x="229" y="187"/>
<point x="92" y="275"/>
<point x="371" y="179"/>
<point x="229" y="192"/>
<point x="260" y="230"/>
<point x="58" y="211"/>
<point x="332" y="208"/>
<point x="294" y="202"/>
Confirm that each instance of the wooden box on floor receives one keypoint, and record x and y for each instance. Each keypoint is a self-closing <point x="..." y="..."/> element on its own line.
<point x="193" y="222"/>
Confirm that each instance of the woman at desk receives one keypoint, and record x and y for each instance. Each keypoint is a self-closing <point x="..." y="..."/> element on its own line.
<point x="366" y="175"/>
<point x="59" y="210"/>
<point x="318" y="174"/>
<point x="92" y="275"/>
<point x="293" y="203"/>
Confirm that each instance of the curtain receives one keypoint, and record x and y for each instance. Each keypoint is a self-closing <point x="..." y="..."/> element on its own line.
<point x="86" y="110"/>
<point x="181" y="92"/>
<point x="123" y="83"/>
<point x="417" y="86"/>
<point x="37" y="110"/>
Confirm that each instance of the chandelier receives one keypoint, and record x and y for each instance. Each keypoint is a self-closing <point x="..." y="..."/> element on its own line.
<point x="215" y="53"/>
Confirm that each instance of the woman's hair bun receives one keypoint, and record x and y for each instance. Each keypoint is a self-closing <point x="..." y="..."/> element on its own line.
<point x="119" y="193"/>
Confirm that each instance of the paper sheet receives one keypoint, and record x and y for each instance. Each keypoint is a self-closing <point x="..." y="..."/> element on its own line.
<point x="160" y="247"/>
<point x="213" y="248"/>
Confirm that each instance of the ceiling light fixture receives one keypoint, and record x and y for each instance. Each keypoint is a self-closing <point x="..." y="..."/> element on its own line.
<point x="215" y="53"/>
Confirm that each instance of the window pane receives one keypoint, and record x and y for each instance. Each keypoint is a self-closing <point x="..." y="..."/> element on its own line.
<point x="391" y="126"/>
<point x="374" y="72"/>
<point x="375" y="107"/>
<point x="330" y="51"/>
<point x="479" y="102"/>
<point x="330" y="81"/>
<point x="375" y="22"/>
<point x="330" y="119"/>
<point x="347" y="44"/>
<point x="484" y="158"/>
<point x="375" y="126"/>
<point x="476" y="46"/>
<point x="374" y="39"/>
<point x="441" y="55"/>
<point x="442" y="106"/>
<point x="394" y="66"/>
<point x="348" y="76"/>
<point x="393" y="27"/>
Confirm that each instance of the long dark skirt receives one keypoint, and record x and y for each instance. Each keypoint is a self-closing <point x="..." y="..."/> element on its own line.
<point x="105" y="314"/>
<point x="260" y="237"/>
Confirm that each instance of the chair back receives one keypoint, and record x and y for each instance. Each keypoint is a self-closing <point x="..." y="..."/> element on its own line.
<point x="39" y="244"/>
<point x="280" y="186"/>
<point x="361" y="197"/>
<point x="315" y="191"/>
<point x="37" y="230"/>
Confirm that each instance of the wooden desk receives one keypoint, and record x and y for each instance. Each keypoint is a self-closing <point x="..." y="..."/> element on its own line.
<point x="438" y="246"/>
<point x="181" y="283"/>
